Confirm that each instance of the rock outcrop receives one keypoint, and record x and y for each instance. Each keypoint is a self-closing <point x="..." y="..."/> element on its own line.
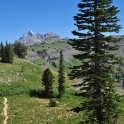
<point x="51" y="56"/>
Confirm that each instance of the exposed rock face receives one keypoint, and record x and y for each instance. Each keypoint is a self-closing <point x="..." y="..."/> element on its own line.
<point x="36" y="37"/>
<point x="32" y="56"/>
<point x="51" y="56"/>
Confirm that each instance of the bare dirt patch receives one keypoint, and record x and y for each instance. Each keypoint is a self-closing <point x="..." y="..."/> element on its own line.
<point x="5" y="110"/>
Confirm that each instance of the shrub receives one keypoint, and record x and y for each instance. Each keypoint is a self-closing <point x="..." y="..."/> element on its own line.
<point x="52" y="103"/>
<point x="23" y="68"/>
<point x="20" y="49"/>
<point x="14" y="89"/>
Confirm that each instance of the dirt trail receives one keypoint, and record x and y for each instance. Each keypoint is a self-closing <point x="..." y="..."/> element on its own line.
<point x="5" y="110"/>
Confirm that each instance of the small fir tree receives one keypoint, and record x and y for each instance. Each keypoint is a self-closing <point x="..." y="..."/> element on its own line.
<point x="96" y="17"/>
<point x="61" y="77"/>
<point x="47" y="81"/>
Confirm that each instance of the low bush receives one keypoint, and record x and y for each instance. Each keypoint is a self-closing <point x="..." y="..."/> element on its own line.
<point x="11" y="90"/>
<point x="40" y="93"/>
<point x="52" y="103"/>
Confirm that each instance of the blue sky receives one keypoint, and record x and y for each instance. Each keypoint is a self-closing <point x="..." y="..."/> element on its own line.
<point x="19" y="16"/>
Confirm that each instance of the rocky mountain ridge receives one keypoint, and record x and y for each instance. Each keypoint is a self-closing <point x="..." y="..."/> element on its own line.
<point x="37" y="37"/>
<point x="48" y="54"/>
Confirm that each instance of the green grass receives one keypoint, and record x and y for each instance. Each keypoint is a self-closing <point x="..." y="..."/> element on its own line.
<point x="121" y="107"/>
<point x="31" y="110"/>
<point x="40" y="62"/>
<point x="13" y="81"/>
<point x="40" y="47"/>
<point x="12" y="73"/>
<point x="14" y="89"/>
<point x="24" y="109"/>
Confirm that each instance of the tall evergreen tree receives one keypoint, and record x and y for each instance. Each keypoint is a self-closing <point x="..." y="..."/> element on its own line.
<point x="61" y="77"/>
<point x="10" y="54"/>
<point x="95" y="18"/>
<point x="1" y="47"/>
<point x="3" y="54"/>
<point x="47" y="81"/>
<point x="0" y="50"/>
<point x="7" y="52"/>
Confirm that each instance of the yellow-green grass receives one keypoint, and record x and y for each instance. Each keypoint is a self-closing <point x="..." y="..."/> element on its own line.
<point x="24" y="109"/>
<point x="21" y="77"/>
<point x="49" y="46"/>
<point x="13" y="73"/>
<point x="30" y="110"/>
<point x="14" y="79"/>
<point x="121" y="118"/>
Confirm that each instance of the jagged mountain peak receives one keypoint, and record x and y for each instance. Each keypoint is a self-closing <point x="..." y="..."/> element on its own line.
<point x="30" y="36"/>
<point x="30" y="32"/>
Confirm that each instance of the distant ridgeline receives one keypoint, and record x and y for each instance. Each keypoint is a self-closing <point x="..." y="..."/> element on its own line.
<point x="37" y="37"/>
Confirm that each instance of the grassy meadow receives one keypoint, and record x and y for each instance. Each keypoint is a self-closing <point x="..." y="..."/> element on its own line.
<point x="49" y="46"/>
<point x="17" y="80"/>
<point x="1" y="110"/>
<point x="22" y="78"/>
<point x="32" y="110"/>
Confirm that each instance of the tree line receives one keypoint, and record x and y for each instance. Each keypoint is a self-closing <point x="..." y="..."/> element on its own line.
<point x="8" y="51"/>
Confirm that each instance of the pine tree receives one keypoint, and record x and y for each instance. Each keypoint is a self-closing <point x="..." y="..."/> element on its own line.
<point x="61" y="77"/>
<point x="10" y="54"/>
<point x="3" y="54"/>
<point x="1" y="46"/>
<point x="7" y="52"/>
<point x="100" y="100"/>
<point x="47" y="81"/>
<point x="0" y="50"/>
